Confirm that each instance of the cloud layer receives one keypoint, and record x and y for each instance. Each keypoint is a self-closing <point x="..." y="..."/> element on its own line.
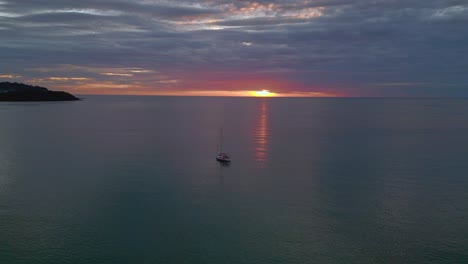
<point x="329" y="47"/>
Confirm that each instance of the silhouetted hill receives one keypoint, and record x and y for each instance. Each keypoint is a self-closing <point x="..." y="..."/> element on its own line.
<point x="16" y="92"/>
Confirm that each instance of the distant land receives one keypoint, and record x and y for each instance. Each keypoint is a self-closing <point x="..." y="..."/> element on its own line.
<point x="19" y="92"/>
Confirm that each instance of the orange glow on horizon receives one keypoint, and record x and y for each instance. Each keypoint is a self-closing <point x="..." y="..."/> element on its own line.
<point x="133" y="81"/>
<point x="83" y="86"/>
<point x="121" y="90"/>
<point x="262" y="93"/>
<point x="126" y="90"/>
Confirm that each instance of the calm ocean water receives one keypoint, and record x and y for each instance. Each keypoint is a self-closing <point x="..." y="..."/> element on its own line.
<point x="134" y="180"/>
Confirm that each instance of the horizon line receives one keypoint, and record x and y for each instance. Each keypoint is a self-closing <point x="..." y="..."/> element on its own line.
<point x="279" y="97"/>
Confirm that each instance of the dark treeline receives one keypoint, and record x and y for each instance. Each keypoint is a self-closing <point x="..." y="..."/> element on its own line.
<point x="23" y="92"/>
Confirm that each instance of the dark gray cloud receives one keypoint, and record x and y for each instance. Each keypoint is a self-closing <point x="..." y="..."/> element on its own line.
<point x="367" y="47"/>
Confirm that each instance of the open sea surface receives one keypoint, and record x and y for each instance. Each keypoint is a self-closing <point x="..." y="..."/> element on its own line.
<point x="117" y="179"/>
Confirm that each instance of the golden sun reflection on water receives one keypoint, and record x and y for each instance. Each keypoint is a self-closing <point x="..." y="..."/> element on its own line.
<point x="262" y="134"/>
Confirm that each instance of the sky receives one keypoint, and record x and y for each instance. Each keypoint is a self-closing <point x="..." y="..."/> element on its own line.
<point x="383" y="48"/>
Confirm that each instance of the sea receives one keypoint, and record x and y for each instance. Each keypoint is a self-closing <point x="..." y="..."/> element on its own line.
<point x="133" y="179"/>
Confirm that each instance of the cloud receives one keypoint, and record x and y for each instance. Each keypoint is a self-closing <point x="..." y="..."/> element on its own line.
<point x="9" y="76"/>
<point x="321" y="46"/>
<point x="68" y="79"/>
<point x="116" y="74"/>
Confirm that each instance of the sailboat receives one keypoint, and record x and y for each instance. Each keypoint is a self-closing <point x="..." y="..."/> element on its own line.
<point x="221" y="156"/>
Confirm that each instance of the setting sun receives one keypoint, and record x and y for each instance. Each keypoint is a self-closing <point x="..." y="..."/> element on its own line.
<point x="262" y="93"/>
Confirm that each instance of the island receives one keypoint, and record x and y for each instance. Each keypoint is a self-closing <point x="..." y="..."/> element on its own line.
<point x="19" y="92"/>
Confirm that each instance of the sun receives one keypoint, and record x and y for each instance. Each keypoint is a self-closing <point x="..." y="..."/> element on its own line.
<point x="262" y="93"/>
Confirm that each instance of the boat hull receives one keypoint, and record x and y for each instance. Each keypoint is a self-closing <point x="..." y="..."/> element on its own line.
<point x="223" y="157"/>
<point x="223" y="160"/>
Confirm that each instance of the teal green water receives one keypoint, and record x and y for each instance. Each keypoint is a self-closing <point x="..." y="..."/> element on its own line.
<point x="134" y="180"/>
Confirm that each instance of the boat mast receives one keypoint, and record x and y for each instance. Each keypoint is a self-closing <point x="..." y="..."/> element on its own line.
<point x="221" y="140"/>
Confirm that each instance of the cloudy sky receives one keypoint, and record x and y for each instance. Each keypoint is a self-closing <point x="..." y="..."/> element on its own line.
<point x="302" y="47"/>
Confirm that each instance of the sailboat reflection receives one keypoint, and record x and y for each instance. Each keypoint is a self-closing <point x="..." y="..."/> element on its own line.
<point x="262" y="134"/>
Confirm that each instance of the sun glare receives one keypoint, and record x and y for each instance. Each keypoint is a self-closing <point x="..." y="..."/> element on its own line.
<point x="262" y="93"/>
